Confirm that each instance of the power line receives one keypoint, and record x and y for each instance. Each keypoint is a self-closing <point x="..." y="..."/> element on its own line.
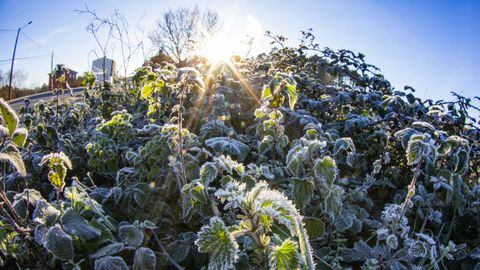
<point x="33" y="41"/>
<point x="23" y="58"/>
<point x="7" y="30"/>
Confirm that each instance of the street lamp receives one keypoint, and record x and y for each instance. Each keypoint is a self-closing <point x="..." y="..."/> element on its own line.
<point x="13" y="60"/>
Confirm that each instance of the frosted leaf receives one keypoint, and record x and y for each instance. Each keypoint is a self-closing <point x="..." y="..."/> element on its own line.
<point x="192" y="194"/>
<point x="343" y="221"/>
<point x="228" y="146"/>
<point x="19" y="137"/>
<point x="108" y="250"/>
<point x="74" y="224"/>
<point x="131" y="235"/>
<point x="208" y="173"/>
<point x="302" y="191"/>
<point x="344" y="144"/>
<point x="11" y="155"/>
<point x="229" y="165"/>
<point x="417" y="249"/>
<point x="417" y="148"/>
<point x="404" y="135"/>
<point x="325" y="170"/>
<point x="216" y="239"/>
<point x="144" y="259"/>
<point x="285" y="256"/>
<point x="45" y="213"/>
<point x="10" y="117"/>
<point x="261" y="200"/>
<point x="111" y="263"/>
<point x="59" y="243"/>
<point x="423" y="125"/>
<point x="392" y="241"/>
<point x="233" y="193"/>
<point x="40" y="233"/>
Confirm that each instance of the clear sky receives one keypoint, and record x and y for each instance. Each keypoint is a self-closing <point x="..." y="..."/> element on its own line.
<point x="433" y="46"/>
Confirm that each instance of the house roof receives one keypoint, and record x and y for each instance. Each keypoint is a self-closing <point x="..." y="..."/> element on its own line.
<point x="71" y="71"/>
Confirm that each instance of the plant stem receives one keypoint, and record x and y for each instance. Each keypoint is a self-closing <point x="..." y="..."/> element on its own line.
<point x="407" y="199"/>
<point x="165" y="253"/>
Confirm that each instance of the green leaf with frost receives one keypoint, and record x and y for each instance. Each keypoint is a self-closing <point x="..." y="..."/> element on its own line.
<point x="58" y="164"/>
<point x="216" y="239"/>
<point x="59" y="243"/>
<point x="302" y="191"/>
<point x="295" y="161"/>
<point x="343" y="221"/>
<point x="285" y="256"/>
<point x="332" y="201"/>
<point x="325" y="170"/>
<point x="461" y="165"/>
<point x="266" y="92"/>
<point x="131" y="235"/>
<point x="19" y="137"/>
<point x="111" y="263"/>
<point x="292" y="95"/>
<point x="10" y="117"/>
<point x="144" y="259"/>
<point x="108" y="250"/>
<point x="45" y="213"/>
<point x="265" y="144"/>
<point x="12" y="155"/>
<point x="75" y="224"/>
<point x="150" y="87"/>
<point x="417" y="149"/>
<point x="229" y="146"/>
<point x="192" y="194"/>
<point x="40" y="233"/>
<point x="208" y="173"/>
<point x="344" y="144"/>
<point x="270" y="205"/>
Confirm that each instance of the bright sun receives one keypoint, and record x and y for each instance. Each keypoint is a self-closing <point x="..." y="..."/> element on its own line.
<point x="217" y="49"/>
<point x="220" y="47"/>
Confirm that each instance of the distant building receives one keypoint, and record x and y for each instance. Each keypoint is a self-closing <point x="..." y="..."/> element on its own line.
<point x="98" y="67"/>
<point x="70" y="78"/>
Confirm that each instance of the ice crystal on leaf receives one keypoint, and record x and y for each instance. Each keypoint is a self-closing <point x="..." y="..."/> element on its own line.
<point x="216" y="239"/>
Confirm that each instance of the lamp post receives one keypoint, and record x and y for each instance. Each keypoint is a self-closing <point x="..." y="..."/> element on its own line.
<point x="13" y="60"/>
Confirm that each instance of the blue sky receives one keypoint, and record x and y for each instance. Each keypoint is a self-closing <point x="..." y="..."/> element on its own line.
<point x="433" y="46"/>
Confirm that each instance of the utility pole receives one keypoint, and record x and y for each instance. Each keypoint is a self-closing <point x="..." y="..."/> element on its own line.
<point x="50" y="76"/>
<point x="13" y="60"/>
<point x="51" y="63"/>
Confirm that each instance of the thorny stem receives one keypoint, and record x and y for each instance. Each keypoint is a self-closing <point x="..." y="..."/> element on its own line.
<point x="56" y="115"/>
<point x="4" y="175"/>
<point x="407" y="199"/>
<point x="181" y="176"/>
<point x="411" y="187"/>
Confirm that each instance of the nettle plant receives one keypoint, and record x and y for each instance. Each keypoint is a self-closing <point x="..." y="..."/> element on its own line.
<point x="300" y="158"/>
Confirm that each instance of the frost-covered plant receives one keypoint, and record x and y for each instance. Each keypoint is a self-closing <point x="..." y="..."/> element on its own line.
<point x="58" y="164"/>
<point x="298" y="156"/>
<point x="263" y="212"/>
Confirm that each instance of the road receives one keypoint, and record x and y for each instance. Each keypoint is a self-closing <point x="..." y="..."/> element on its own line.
<point x="20" y="102"/>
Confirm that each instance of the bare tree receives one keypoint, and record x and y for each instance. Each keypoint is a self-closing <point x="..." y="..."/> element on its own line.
<point x="180" y="31"/>
<point x="18" y="77"/>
